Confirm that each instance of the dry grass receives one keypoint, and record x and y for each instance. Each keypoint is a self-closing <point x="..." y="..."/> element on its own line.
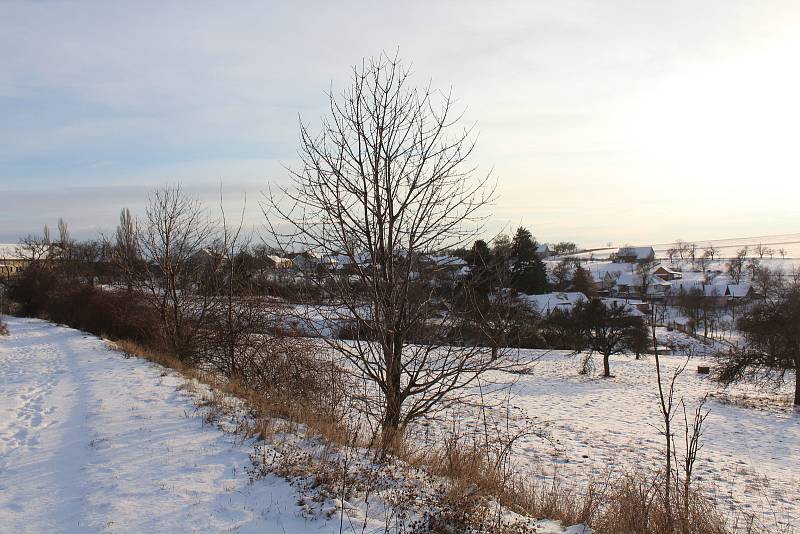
<point x="478" y="472"/>
<point x="634" y="503"/>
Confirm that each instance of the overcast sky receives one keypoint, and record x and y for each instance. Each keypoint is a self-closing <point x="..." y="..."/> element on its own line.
<point x="624" y="122"/>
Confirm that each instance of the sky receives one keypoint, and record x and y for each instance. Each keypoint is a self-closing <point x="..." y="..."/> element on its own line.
<point x="624" y="122"/>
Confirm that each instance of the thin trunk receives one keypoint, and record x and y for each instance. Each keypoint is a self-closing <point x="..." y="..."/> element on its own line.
<point x="797" y="380"/>
<point x="606" y="366"/>
<point x="667" y="437"/>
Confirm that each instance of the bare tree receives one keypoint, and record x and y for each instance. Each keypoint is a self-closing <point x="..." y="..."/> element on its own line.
<point x="238" y="342"/>
<point x="692" y="435"/>
<point x="736" y="264"/>
<point x="563" y="273"/>
<point x="680" y="248"/>
<point x="126" y="256"/>
<point x="691" y="252"/>
<point x="671" y="253"/>
<point x="383" y="185"/>
<point x="63" y="233"/>
<point x="753" y="265"/>
<point x="608" y="329"/>
<point x="771" y="347"/>
<point x="763" y="250"/>
<point x="565" y="247"/>
<point x="710" y="252"/>
<point x="171" y="239"/>
<point x="644" y="270"/>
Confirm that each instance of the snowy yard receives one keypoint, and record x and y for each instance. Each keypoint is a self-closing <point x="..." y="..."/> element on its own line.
<point x="751" y="447"/>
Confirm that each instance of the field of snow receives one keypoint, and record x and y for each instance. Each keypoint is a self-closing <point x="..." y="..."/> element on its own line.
<point x="751" y="444"/>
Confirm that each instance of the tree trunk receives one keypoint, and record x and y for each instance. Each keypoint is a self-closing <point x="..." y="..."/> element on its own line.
<point x="606" y="366"/>
<point x="391" y="418"/>
<point x="797" y="381"/>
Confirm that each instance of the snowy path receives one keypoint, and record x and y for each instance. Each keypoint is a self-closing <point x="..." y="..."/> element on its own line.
<point x="93" y="442"/>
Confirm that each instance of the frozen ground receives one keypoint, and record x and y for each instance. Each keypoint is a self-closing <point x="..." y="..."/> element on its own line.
<point x="751" y="445"/>
<point x="93" y="442"/>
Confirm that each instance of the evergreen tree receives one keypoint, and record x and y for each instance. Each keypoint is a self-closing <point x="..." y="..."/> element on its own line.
<point x="480" y="261"/>
<point x="480" y="254"/>
<point x="528" y="273"/>
<point x="582" y="281"/>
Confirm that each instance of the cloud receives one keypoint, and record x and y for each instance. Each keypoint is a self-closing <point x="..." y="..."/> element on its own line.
<point x="132" y="94"/>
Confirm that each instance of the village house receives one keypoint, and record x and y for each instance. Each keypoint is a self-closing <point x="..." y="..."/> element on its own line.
<point x="736" y="292"/>
<point x="277" y="262"/>
<point x="543" y="251"/>
<point x="635" y="308"/>
<point x="306" y="261"/>
<point x="633" y="285"/>
<point x="667" y="274"/>
<point x="448" y="263"/>
<point x="12" y="261"/>
<point x="635" y="255"/>
<point x="547" y="303"/>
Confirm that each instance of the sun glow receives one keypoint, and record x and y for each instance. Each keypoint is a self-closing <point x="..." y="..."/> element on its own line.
<point x="734" y="123"/>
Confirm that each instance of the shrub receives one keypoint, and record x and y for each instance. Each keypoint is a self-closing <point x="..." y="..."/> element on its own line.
<point x="40" y="292"/>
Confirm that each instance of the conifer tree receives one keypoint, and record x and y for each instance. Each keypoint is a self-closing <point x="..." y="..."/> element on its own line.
<point x="528" y="273"/>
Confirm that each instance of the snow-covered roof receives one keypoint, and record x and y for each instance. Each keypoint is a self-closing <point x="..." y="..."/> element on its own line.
<point x="669" y="270"/>
<point x="547" y="302"/>
<point x="447" y="261"/>
<point x="715" y="290"/>
<point x="686" y="286"/>
<point x="599" y="270"/>
<point x="342" y="260"/>
<point x="277" y="260"/>
<point x="627" y="304"/>
<point x="10" y="251"/>
<point x="635" y="280"/>
<point x="739" y="290"/>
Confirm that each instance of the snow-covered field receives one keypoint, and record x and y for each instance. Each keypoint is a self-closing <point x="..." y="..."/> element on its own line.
<point x="751" y="445"/>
